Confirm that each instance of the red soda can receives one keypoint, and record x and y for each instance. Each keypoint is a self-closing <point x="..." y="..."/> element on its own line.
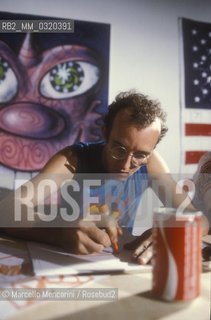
<point x="176" y="254"/>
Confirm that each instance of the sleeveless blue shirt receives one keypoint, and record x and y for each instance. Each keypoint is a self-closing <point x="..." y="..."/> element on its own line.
<point x="122" y="197"/>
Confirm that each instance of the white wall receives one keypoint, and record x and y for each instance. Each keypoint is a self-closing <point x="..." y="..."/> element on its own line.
<point x="144" y="47"/>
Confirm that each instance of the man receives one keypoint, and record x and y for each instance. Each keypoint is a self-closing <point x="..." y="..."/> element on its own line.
<point x="132" y="129"/>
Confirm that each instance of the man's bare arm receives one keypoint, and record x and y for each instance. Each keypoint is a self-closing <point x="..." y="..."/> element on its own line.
<point x="80" y="237"/>
<point x="169" y="193"/>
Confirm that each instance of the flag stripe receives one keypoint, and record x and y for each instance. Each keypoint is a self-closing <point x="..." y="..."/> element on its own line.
<point x="197" y="129"/>
<point x="196" y="116"/>
<point x="193" y="157"/>
<point x="196" y="143"/>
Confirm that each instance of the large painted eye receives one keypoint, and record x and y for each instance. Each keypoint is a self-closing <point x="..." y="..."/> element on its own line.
<point x="8" y="81"/>
<point x="69" y="79"/>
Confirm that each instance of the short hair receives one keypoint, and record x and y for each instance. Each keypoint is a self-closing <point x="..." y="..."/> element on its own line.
<point x="143" y="111"/>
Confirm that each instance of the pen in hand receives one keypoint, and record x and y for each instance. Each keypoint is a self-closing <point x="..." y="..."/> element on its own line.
<point x="115" y="245"/>
<point x="105" y="210"/>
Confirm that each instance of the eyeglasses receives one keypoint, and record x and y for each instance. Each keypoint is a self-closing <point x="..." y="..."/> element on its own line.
<point x="120" y="153"/>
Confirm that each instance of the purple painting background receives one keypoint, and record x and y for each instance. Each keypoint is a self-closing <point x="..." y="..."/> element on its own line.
<point x="38" y="116"/>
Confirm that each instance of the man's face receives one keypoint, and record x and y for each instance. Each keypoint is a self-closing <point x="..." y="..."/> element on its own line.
<point x="135" y="140"/>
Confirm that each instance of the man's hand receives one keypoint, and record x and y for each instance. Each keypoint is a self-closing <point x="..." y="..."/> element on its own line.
<point x="88" y="238"/>
<point x="142" y="247"/>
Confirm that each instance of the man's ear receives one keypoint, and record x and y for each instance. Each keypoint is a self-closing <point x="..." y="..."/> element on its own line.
<point x="104" y="135"/>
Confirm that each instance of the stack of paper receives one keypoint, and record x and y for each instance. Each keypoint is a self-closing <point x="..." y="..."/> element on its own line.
<point x="48" y="260"/>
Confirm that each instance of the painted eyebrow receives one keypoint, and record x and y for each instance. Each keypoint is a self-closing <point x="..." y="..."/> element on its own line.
<point x="121" y="145"/>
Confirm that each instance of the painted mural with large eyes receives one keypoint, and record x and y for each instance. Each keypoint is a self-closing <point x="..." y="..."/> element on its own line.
<point x="53" y="93"/>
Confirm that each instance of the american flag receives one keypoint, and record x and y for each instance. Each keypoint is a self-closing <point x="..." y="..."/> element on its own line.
<point x="195" y="92"/>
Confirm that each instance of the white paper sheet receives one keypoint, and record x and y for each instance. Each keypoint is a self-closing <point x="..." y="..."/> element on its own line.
<point x="48" y="260"/>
